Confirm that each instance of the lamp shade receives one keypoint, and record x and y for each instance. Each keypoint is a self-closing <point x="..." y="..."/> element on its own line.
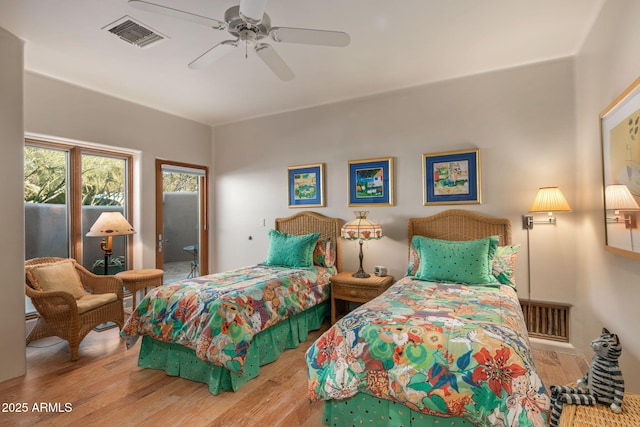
<point x="618" y="197"/>
<point x="110" y="224"/>
<point x="550" y="199"/>
<point x="361" y="228"/>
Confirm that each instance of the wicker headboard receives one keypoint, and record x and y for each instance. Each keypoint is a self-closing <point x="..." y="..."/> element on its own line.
<point x="310" y="222"/>
<point x="458" y="224"/>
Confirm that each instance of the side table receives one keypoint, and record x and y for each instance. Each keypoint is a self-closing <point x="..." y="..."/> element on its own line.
<point x="600" y="415"/>
<point x="136" y="280"/>
<point x="345" y="287"/>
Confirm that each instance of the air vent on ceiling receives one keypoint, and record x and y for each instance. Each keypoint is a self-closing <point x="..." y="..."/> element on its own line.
<point x="134" y="32"/>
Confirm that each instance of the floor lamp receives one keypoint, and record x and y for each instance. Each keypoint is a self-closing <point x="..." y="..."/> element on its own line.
<point x="107" y="225"/>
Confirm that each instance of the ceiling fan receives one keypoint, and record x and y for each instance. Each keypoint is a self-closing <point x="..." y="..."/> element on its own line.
<point x="249" y="24"/>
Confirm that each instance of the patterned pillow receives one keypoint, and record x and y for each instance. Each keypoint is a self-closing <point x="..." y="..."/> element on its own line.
<point x="324" y="253"/>
<point x="290" y="250"/>
<point x="56" y="276"/>
<point x="414" y="258"/>
<point x="467" y="262"/>
<point x="504" y="264"/>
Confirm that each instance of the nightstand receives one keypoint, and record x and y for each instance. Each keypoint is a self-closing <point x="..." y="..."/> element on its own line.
<point x="345" y="287"/>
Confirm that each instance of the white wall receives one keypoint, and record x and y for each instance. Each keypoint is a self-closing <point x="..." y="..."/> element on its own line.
<point x="522" y="120"/>
<point x="12" y="326"/>
<point x="608" y="289"/>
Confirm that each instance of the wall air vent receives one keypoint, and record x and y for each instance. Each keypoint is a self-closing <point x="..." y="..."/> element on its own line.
<point x="134" y="32"/>
<point x="547" y="320"/>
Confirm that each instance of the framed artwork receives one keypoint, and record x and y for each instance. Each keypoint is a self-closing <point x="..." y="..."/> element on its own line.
<point x="306" y="186"/>
<point x="619" y="124"/>
<point x="451" y="177"/>
<point x="371" y="182"/>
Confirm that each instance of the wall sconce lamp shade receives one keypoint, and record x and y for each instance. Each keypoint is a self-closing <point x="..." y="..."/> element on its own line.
<point x="361" y="229"/>
<point x="548" y="199"/>
<point x="107" y="225"/>
<point x="617" y="198"/>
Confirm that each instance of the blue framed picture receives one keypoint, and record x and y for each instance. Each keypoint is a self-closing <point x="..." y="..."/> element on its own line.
<point x="451" y="177"/>
<point x="371" y="182"/>
<point x="306" y="186"/>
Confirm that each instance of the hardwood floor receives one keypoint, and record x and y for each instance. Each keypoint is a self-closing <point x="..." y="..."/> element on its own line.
<point x="105" y="387"/>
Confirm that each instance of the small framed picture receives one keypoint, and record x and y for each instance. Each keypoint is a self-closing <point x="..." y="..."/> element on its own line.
<point x="451" y="177"/>
<point x="306" y="186"/>
<point x="371" y="182"/>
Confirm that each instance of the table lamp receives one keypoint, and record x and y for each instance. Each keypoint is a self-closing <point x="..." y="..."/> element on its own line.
<point x="361" y="229"/>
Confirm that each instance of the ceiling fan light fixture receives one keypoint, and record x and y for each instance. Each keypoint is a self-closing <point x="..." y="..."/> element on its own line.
<point x="248" y="36"/>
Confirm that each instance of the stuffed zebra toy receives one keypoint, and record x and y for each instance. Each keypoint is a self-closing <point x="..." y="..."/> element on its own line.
<point x="602" y="384"/>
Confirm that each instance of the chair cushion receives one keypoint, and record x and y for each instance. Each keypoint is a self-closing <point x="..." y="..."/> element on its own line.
<point x="91" y="301"/>
<point x="56" y="276"/>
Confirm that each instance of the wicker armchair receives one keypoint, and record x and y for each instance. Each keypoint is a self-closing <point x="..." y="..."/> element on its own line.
<point x="70" y="317"/>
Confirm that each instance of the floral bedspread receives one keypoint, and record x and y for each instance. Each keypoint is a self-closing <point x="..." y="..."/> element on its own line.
<point x="218" y="315"/>
<point x="439" y="348"/>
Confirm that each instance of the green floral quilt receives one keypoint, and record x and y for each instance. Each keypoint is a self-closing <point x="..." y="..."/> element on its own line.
<point x="218" y="315"/>
<point x="441" y="349"/>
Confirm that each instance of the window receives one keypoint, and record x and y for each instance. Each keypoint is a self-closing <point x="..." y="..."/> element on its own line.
<point x="46" y="193"/>
<point x="66" y="187"/>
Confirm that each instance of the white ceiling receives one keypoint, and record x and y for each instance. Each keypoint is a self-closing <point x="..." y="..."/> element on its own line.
<point x="394" y="44"/>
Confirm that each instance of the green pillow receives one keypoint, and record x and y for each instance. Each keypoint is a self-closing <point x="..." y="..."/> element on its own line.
<point x="290" y="250"/>
<point x="468" y="262"/>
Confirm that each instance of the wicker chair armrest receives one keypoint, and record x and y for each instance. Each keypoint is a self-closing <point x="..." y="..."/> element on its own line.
<point x="100" y="284"/>
<point x="44" y="301"/>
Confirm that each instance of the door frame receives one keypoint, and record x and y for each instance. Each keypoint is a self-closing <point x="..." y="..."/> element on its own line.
<point x="203" y="249"/>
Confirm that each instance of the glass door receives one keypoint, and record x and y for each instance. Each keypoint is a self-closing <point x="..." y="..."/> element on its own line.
<point x="181" y="220"/>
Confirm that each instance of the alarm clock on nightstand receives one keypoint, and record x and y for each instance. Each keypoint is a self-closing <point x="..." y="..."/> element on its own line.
<point x="379" y="270"/>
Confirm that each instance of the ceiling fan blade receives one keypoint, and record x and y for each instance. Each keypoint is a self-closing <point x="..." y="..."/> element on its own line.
<point x="309" y="36"/>
<point x="271" y="58"/>
<point x="252" y="11"/>
<point x="213" y="54"/>
<point x="179" y="14"/>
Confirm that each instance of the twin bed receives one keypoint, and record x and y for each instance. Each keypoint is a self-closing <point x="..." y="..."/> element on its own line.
<point x="445" y="343"/>
<point x="219" y="329"/>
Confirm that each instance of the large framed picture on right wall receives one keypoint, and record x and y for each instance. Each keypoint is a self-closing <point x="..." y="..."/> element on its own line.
<point x="619" y="133"/>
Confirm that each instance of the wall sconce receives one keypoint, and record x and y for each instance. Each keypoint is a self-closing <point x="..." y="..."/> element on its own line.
<point x="617" y="198"/>
<point x="548" y="199"/>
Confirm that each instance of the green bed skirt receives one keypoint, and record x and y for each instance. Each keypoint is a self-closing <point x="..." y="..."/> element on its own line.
<point x="363" y="409"/>
<point x="266" y="347"/>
